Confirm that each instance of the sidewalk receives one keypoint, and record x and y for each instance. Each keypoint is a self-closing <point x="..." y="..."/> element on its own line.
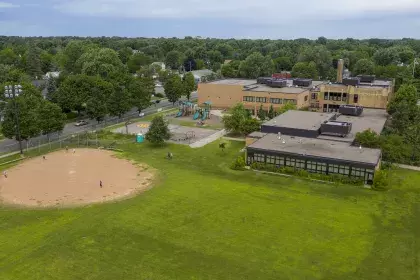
<point x="410" y="167"/>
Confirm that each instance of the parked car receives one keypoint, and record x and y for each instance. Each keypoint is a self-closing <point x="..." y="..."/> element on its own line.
<point x="141" y="115"/>
<point x="81" y="123"/>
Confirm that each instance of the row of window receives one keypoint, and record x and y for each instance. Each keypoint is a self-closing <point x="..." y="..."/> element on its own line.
<point x="331" y="108"/>
<point x="312" y="166"/>
<point x="335" y="96"/>
<point x="271" y="100"/>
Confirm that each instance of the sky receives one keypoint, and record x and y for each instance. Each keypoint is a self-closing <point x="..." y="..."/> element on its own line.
<point x="256" y="19"/>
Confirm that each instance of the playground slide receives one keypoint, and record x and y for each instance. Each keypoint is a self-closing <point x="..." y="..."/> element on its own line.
<point x="196" y="116"/>
<point x="204" y="117"/>
<point x="179" y="114"/>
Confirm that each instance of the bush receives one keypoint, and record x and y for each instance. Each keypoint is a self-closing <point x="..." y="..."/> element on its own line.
<point x="238" y="164"/>
<point x="160" y="95"/>
<point x="381" y="180"/>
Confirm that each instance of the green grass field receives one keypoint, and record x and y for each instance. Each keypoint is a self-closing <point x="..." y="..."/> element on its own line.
<point x="205" y="221"/>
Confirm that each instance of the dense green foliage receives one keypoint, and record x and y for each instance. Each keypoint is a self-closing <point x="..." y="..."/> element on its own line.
<point x="239" y="121"/>
<point x="158" y="132"/>
<point x="202" y="220"/>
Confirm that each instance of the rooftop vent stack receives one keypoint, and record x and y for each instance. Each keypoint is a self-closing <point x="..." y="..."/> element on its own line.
<point x="340" y="70"/>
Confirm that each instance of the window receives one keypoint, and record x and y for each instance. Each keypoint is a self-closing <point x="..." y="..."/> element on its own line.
<point x="259" y="158"/>
<point x="279" y="161"/>
<point x="300" y="164"/>
<point x="306" y="98"/>
<point x="271" y="159"/>
<point x="311" y="166"/>
<point x="276" y="100"/>
<point x="321" y="167"/>
<point x="292" y="101"/>
<point x="333" y="168"/>
<point x="344" y="96"/>
<point x="344" y="170"/>
<point x="249" y="160"/>
<point x="314" y="96"/>
<point x="325" y="108"/>
<point x="290" y="162"/>
<point x="356" y="98"/>
<point x="357" y="172"/>
<point x="249" y="98"/>
<point x="326" y="96"/>
<point x="261" y="99"/>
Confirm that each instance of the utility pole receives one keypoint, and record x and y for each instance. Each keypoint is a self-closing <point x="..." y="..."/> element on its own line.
<point x="414" y="66"/>
<point x="12" y="92"/>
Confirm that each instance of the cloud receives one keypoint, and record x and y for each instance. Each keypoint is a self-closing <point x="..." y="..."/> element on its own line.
<point x="5" y="5"/>
<point x="260" y="11"/>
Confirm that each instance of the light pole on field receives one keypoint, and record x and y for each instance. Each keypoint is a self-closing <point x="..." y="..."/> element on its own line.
<point x="11" y="92"/>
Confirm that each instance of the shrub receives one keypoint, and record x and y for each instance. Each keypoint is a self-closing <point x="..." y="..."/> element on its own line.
<point x="160" y="95"/>
<point x="238" y="164"/>
<point x="381" y="180"/>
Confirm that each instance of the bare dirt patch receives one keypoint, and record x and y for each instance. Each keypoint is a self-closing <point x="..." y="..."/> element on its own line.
<point x="68" y="179"/>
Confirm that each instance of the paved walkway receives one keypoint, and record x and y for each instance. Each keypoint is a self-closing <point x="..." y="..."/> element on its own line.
<point x="209" y="139"/>
<point x="410" y="167"/>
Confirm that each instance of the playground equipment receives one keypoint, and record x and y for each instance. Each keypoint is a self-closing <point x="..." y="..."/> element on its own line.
<point x="185" y="109"/>
<point x="203" y="113"/>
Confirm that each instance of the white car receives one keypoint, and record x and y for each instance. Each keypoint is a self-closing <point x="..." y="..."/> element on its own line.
<point x="141" y="115"/>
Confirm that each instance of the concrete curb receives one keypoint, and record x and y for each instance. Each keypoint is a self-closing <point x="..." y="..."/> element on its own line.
<point x="208" y="139"/>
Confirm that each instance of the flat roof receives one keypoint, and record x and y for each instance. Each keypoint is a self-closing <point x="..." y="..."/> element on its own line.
<point x="373" y="119"/>
<point x="317" y="148"/>
<point x="300" y="120"/>
<point x="376" y="83"/>
<point x="290" y="90"/>
<point x="242" y="82"/>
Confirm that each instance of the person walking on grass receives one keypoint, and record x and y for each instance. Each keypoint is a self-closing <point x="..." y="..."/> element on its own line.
<point x="5" y="174"/>
<point x="100" y="183"/>
<point x="44" y="157"/>
<point x="74" y="151"/>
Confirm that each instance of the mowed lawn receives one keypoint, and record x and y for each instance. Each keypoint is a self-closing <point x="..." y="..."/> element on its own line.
<point x="205" y="221"/>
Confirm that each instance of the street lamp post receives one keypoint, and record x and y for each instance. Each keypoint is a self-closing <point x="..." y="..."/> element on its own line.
<point x="11" y="92"/>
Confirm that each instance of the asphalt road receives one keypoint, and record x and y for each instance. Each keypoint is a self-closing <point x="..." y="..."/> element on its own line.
<point x="11" y="145"/>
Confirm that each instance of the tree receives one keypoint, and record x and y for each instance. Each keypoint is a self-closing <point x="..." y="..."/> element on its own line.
<point x="103" y="62"/>
<point x="73" y="92"/>
<point x="27" y="104"/>
<point x="158" y="131"/>
<point x="125" y="54"/>
<point x="368" y="139"/>
<point x="138" y="60"/>
<point x="256" y="65"/>
<point x="51" y="88"/>
<point x="305" y="70"/>
<point x="51" y="118"/>
<point x="239" y="121"/>
<point x="283" y="63"/>
<point x="173" y="89"/>
<point x="261" y="113"/>
<point x="73" y="51"/>
<point x="405" y="94"/>
<point x="189" y="84"/>
<point x="271" y="113"/>
<point x="230" y="70"/>
<point x="141" y="91"/>
<point x="386" y="56"/>
<point x="286" y="107"/>
<point x="364" y="67"/>
<point x="320" y="55"/>
<point x="173" y="59"/>
<point x="119" y="102"/>
<point x="98" y="98"/>
<point x="33" y="63"/>
<point x="46" y="60"/>
<point x="8" y="57"/>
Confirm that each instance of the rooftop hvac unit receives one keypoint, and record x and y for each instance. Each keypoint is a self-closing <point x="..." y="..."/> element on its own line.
<point x="302" y="82"/>
<point x="350" y="110"/>
<point x="366" y="78"/>
<point x="351" y="81"/>
<point x="336" y="128"/>
<point x="263" y="80"/>
<point x="277" y="83"/>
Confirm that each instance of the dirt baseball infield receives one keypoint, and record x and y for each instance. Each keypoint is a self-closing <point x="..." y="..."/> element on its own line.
<point x="73" y="178"/>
